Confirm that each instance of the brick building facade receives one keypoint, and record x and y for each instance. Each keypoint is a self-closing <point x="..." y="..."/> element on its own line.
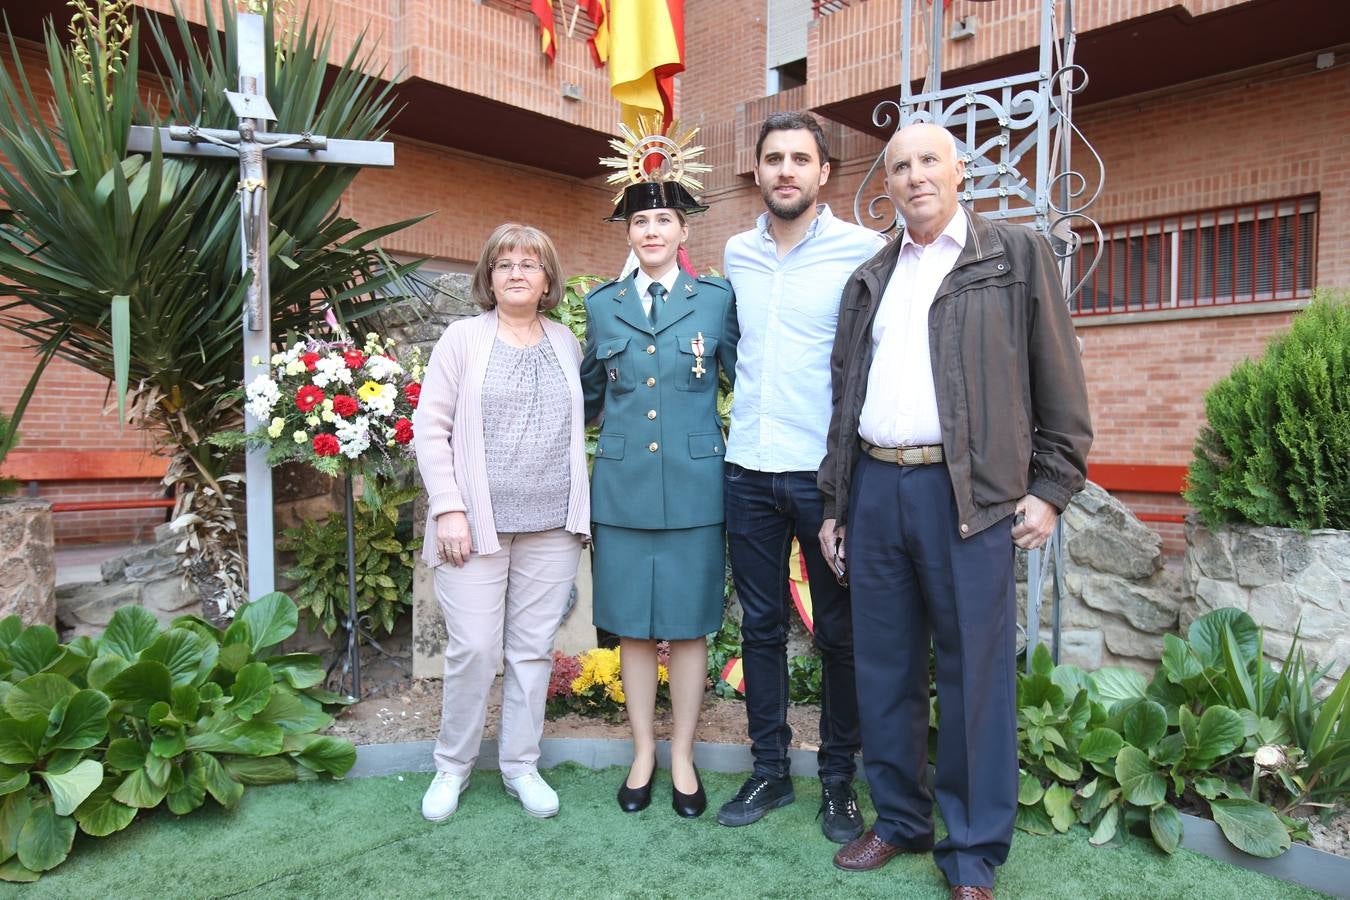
<point x="1222" y="125"/>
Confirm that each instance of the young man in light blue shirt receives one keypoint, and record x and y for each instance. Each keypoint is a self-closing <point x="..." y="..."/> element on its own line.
<point x="788" y="272"/>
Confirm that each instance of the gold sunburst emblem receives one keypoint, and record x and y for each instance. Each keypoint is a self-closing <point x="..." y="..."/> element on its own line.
<point x="649" y="155"/>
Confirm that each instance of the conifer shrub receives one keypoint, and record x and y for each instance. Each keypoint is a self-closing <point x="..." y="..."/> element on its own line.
<point x="1276" y="448"/>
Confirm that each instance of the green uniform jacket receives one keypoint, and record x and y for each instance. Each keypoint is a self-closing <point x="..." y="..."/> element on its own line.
<point x="658" y="463"/>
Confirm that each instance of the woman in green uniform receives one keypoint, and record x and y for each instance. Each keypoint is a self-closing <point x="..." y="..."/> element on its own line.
<point x="656" y="342"/>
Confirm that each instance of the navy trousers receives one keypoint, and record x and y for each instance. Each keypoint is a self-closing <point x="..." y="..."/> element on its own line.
<point x="764" y="510"/>
<point x="913" y="577"/>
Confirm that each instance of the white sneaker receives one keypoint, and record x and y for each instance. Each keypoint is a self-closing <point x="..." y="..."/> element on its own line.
<point x="442" y="797"/>
<point x="534" y="794"/>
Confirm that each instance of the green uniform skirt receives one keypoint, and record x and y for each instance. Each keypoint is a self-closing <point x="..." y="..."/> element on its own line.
<point x="662" y="584"/>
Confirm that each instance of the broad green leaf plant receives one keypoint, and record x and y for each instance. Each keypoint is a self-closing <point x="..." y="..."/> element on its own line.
<point x="1217" y="729"/>
<point x="128" y="264"/>
<point x="94" y="731"/>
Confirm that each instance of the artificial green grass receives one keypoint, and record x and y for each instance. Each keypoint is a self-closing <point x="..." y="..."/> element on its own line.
<point x="366" y="838"/>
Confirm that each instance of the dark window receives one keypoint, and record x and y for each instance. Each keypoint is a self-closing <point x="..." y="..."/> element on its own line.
<point x="791" y="75"/>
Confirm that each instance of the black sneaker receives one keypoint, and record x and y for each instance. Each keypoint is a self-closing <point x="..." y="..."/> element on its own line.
<point x="755" y="798"/>
<point x="840" y="820"/>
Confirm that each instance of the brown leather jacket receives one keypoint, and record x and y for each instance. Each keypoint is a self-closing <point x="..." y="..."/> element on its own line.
<point x="1011" y="396"/>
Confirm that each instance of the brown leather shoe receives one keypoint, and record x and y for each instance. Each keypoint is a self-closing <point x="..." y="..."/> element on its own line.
<point x="866" y="853"/>
<point x="971" y="892"/>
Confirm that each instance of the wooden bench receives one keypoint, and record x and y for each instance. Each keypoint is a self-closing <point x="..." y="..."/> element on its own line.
<point x="35" y="467"/>
<point x="1144" y="479"/>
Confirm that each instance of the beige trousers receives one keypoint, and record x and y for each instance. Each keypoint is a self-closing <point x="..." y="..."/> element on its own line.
<point x="511" y="601"/>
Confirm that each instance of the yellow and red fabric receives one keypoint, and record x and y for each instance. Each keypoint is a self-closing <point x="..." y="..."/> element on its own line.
<point x="548" y="35"/>
<point x="597" y="11"/>
<point x="800" y="588"/>
<point x="645" y="53"/>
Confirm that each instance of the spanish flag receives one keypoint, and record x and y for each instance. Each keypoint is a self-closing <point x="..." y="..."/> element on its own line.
<point x="548" y="37"/>
<point x="646" y="52"/>
<point x="599" y="42"/>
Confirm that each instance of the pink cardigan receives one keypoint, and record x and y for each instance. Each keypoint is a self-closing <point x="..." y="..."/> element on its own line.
<point x="448" y="431"/>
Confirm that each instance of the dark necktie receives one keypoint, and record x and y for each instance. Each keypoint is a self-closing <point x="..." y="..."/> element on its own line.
<point x="658" y="294"/>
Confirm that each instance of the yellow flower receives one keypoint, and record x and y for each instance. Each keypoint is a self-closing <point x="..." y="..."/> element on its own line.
<point x="300" y="437"/>
<point x="662" y="675"/>
<point x="369" y="391"/>
<point x="274" y="430"/>
<point x="606" y="665"/>
<point x="312" y="420"/>
<point x="327" y="415"/>
<point x="614" y="692"/>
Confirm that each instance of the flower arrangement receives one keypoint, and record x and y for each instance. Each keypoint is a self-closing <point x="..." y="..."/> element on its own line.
<point x="330" y="403"/>
<point x="589" y="683"/>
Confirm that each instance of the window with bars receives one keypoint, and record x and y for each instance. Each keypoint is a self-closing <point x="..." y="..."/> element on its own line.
<point x="1240" y="254"/>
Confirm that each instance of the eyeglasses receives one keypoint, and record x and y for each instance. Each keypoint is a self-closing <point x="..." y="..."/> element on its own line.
<point x="526" y="266"/>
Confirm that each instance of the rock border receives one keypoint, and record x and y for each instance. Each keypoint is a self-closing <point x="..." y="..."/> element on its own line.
<point x="1301" y="864"/>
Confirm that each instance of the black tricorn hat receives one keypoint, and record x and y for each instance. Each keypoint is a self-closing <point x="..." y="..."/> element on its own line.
<point x="654" y="195"/>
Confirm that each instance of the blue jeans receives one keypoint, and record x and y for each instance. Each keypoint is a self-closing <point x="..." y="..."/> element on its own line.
<point x="764" y="510"/>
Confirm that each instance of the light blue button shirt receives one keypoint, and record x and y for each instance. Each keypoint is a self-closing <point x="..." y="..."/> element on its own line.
<point x="788" y="309"/>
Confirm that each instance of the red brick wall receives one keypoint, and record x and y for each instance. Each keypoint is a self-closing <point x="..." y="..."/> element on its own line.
<point x="725" y="37"/>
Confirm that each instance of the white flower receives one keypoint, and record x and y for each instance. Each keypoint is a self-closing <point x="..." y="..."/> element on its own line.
<point x="353" y="436"/>
<point x="1270" y="757"/>
<point x="329" y="369"/>
<point x="274" y="430"/>
<point x="382" y="368"/>
<point x="262" y="394"/>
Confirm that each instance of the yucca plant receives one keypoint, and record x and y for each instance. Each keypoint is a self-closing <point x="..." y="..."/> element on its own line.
<point x="129" y="265"/>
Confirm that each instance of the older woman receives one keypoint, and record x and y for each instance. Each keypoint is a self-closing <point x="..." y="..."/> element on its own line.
<point x="655" y="344"/>
<point x="499" y="444"/>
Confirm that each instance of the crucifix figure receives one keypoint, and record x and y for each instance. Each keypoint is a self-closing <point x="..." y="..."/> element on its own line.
<point x="252" y="145"/>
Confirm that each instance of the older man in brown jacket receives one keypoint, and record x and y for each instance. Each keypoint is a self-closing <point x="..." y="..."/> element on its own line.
<point x="960" y="429"/>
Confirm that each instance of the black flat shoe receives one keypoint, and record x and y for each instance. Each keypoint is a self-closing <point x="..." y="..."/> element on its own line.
<point x="633" y="800"/>
<point x="690" y="806"/>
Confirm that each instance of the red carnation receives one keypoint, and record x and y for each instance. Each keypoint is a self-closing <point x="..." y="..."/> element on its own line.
<point x="344" y="405"/>
<point x="307" y="398"/>
<point x="311" y="361"/>
<point x="403" y="431"/>
<point x="354" y="358"/>
<point x="413" y="391"/>
<point x="326" y="445"/>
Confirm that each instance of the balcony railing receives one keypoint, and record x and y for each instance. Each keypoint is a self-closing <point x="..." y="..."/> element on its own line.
<point x="565" y="15"/>
<point x="825" y="7"/>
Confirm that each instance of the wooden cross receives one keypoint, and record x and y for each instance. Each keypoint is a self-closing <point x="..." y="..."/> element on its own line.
<point x="253" y="145"/>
